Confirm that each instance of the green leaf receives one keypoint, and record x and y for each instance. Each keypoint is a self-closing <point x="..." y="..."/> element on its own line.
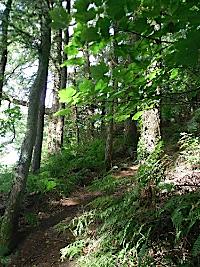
<point x="140" y="25"/>
<point x="60" y="18"/>
<point x="97" y="47"/>
<point x="66" y="95"/>
<point x="81" y="5"/>
<point x="122" y="117"/>
<point x="137" y="115"/>
<point x="98" y="71"/>
<point x="174" y="74"/>
<point x="101" y="86"/>
<point x="104" y="25"/>
<point x="196" y="247"/>
<point x="84" y="17"/>
<point x="86" y="85"/>
<point x="116" y="8"/>
<point x="78" y="61"/>
<point x="71" y="50"/>
<point x="131" y="5"/>
<point x="90" y="34"/>
<point x="152" y="75"/>
<point x="63" y="112"/>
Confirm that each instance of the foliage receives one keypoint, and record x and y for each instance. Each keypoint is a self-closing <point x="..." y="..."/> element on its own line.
<point x="9" y="118"/>
<point x="117" y="233"/>
<point x="72" y="250"/>
<point x="193" y="124"/>
<point x="31" y="218"/>
<point x="127" y="56"/>
<point x="152" y="169"/>
<point x="62" y="172"/>
<point x="125" y="230"/>
<point x="5" y="179"/>
<point x="190" y="148"/>
<point x="107" y="184"/>
<point x="5" y="261"/>
<point x="185" y="216"/>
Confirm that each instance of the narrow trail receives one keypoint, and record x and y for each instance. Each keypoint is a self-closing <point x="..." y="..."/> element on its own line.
<point x="42" y="246"/>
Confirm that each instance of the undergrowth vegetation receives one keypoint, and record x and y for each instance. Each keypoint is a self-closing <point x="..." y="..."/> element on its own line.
<point x="62" y="172"/>
<point x="136" y="221"/>
<point x="5" y="179"/>
<point x="143" y="225"/>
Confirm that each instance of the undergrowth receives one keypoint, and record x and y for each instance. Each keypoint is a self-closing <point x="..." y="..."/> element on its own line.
<point x="62" y="172"/>
<point x="73" y="166"/>
<point x="5" y="179"/>
<point x="142" y="227"/>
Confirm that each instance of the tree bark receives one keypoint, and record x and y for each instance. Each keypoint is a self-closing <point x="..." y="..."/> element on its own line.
<point x="109" y="140"/>
<point x="150" y="134"/>
<point x="4" y="45"/>
<point x="40" y="129"/>
<point x="56" y="124"/>
<point x="76" y="124"/>
<point x="11" y="215"/>
<point x="110" y="127"/>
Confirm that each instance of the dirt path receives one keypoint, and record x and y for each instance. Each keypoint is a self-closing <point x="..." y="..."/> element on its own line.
<point x="41" y="248"/>
<point x="41" y="244"/>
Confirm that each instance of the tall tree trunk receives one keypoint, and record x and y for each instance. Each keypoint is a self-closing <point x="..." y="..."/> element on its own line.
<point x="110" y="127"/>
<point x="40" y="130"/>
<point x="11" y="215"/>
<point x="56" y="124"/>
<point x="4" y="45"/>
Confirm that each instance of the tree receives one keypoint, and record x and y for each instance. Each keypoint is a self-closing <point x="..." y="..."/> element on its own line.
<point x="36" y="160"/>
<point x="4" y="44"/>
<point x="56" y="124"/>
<point x="11" y="215"/>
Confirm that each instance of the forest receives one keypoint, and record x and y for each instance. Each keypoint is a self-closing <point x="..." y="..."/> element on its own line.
<point x="99" y="133"/>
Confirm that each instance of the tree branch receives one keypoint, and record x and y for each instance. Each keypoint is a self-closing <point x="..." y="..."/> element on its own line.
<point x="23" y="103"/>
<point x="157" y="40"/>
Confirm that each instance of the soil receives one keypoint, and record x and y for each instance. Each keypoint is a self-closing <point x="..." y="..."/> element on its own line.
<point x="39" y="245"/>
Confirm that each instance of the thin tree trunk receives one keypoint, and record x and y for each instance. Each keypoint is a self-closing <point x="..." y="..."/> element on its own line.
<point x="40" y="130"/>
<point x="76" y="124"/>
<point x="11" y="215"/>
<point x="110" y="127"/>
<point x="109" y="140"/>
<point x="103" y="114"/>
<point x="4" y="45"/>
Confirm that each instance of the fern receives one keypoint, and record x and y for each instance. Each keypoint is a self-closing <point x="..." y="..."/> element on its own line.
<point x="72" y="250"/>
<point x="196" y="247"/>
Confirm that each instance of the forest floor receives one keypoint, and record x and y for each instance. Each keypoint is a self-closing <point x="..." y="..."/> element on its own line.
<point x="39" y="246"/>
<point x="42" y="235"/>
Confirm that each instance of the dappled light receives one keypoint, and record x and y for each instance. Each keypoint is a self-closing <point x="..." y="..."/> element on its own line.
<point x="100" y="133"/>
